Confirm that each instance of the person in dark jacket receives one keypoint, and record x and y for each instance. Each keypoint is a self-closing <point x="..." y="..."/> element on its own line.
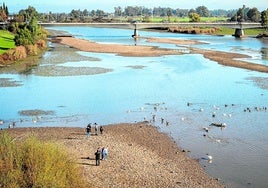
<point x="88" y="130"/>
<point x="101" y="129"/>
<point x="98" y="156"/>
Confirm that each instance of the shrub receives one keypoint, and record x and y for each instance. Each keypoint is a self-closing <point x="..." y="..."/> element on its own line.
<point x="20" y="53"/>
<point x="32" y="49"/>
<point x="41" y="44"/>
<point x="33" y="163"/>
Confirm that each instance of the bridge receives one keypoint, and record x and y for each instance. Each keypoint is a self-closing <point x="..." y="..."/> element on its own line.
<point x="238" y="26"/>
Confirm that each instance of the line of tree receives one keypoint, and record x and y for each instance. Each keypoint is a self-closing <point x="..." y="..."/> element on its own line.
<point x="242" y="14"/>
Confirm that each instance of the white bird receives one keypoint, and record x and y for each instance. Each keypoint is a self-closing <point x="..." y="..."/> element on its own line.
<point x="34" y="120"/>
<point x="201" y="110"/>
<point x="1" y="122"/>
<point x="205" y="129"/>
<point x="209" y="157"/>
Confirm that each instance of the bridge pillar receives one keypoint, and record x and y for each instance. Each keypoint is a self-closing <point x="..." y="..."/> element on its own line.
<point x="136" y="33"/>
<point x="238" y="33"/>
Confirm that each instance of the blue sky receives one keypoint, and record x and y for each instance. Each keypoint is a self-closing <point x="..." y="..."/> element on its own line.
<point x="108" y="5"/>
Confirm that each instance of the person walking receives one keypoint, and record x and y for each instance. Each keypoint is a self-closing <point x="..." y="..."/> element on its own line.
<point x="105" y="153"/>
<point x="88" y="130"/>
<point x="97" y="156"/>
<point x="96" y="128"/>
<point x="101" y="129"/>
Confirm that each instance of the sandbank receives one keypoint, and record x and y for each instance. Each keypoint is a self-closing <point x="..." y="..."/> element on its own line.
<point x="224" y="58"/>
<point x="139" y="156"/>
<point x="123" y="50"/>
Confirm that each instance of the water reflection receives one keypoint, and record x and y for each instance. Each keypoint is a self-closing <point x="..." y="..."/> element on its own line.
<point x="264" y="52"/>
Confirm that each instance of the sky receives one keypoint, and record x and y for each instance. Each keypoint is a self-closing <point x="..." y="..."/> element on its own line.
<point x="60" y="6"/>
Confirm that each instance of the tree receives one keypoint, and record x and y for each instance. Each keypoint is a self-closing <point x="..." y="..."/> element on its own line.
<point x="264" y="18"/>
<point x="169" y="14"/>
<point x="118" y="11"/>
<point x="28" y="13"/>
<point x="202" y="11"/>
<point x="253" y="15"/>
<point x="3" y="12"/>
<point x="194" y="17"/>
<point x="241" y="14"/>
<point x="29" y="32"/>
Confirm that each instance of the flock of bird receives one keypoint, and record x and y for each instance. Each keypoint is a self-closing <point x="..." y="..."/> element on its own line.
<point x="214" y="114"/>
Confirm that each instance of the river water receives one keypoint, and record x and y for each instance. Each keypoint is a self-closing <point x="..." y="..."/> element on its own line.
<point x="184" y="90"/>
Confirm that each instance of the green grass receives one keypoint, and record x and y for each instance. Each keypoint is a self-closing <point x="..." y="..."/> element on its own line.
<point x="247" y="32"/>
<point x="6" y="41"/>
<point x="32" y="163"/>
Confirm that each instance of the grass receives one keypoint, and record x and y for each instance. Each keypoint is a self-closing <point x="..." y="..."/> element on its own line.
<point x="247" y="32"/>
<point x="32" y="163"/>
<point x="6" y="41"/>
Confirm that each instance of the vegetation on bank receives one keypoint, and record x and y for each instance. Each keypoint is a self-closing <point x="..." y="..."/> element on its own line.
<point x="35" y="163"/>
<point x="22" y="38"/>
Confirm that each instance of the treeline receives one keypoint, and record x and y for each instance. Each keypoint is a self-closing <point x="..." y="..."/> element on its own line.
<point x="242" y="14"/>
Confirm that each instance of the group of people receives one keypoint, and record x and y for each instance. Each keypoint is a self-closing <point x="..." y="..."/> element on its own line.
<point x="96" y="128"/>
<point x="101" y="154"/>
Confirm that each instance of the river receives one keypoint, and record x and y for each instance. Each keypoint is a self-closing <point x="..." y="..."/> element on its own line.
<point x="183" y="90"/>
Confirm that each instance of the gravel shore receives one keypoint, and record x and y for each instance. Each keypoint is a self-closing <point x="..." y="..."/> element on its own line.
<point x="139" y="156"/>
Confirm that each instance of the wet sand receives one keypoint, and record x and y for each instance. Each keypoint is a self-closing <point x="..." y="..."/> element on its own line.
<point x="224" y="58"/>
<point x="139" y="156"/>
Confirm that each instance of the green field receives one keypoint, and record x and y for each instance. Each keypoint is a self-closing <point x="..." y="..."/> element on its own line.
<point x="247" y="32"/>
<point x="6" y="41"/>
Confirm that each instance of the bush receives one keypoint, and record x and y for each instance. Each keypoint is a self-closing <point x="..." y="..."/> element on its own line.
<point x="32" y="49"/>
<point x="33" y="163"/>
<point x="20" y="53"/>
<point x="41" y="44"/>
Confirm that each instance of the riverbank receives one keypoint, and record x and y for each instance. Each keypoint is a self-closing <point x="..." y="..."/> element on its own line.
<point x="224" y="58"/>
<point x="139" y="156"/>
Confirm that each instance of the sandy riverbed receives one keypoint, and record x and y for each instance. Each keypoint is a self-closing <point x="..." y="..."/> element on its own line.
<point x="224" y="58"/>
<point x="139" y="156"/>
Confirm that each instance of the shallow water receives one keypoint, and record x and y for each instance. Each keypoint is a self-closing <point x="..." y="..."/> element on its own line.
<point x="136" y="88"/>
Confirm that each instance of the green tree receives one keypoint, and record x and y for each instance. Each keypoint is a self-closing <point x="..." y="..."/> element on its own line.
<point x="264" y="18"/>
<point x="28" y="13"/>
<point x="28" y="32"/>
<point x="194" y="17"/>
<point x="202" y="11"/>
<point x="253" y="15"/>
<point x="169" y="14"/>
